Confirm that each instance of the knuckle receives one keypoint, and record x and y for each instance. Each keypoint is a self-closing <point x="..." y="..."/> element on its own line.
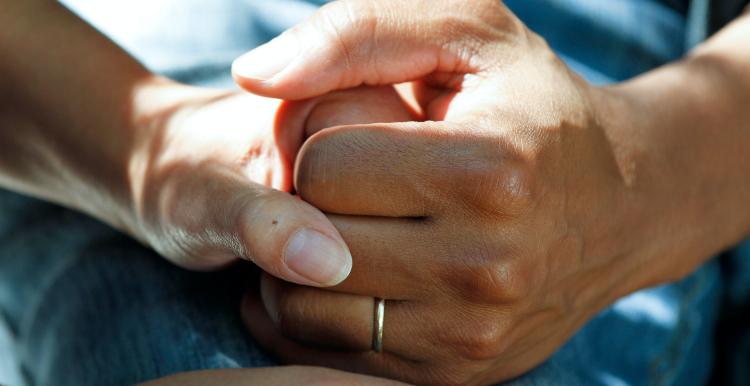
<point x="258" y="204"/>
<point x="516" y="187"/>
<point x="520" y="279"/>
<point x="182" y="190"/>
<point x="488" y="282"/>
<point x="495" y="13"/>
<point x="493" y="279"/>
<point x="346" y="24"/>
<point x="498" y="185"/>
<point x="464" y="27"/>
<point x="478" y="340"/>
<point x="505" y="187"/>
<point x="480" y="22"/>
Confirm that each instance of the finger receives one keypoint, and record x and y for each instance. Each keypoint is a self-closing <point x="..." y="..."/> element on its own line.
<point x="395" y="170"/>
<point x="388" y="256"/>
<point x="221" y="215"/>
<point x="360" y="105"/>
<point x="354" y="106"/>
<point x="287" y="350"/>
<point x="454" y="360"/>
<point x="350" y="43"/>
<point x="340" y="321"/>
<point x="304" y="316"/>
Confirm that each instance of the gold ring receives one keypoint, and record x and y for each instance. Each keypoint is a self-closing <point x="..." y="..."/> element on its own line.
<point x="377" y="328"/>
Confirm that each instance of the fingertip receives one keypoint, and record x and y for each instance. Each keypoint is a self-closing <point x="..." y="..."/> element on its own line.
<point x="279" y="69"/>
<point x="266" y="88"/>
<point x="316" y="256"/>
<point x="285" y="86"/>
<point x="268" y="60"/>
<point x="254" y="86"/>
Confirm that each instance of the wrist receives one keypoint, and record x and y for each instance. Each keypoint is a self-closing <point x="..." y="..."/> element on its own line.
<point x="634" y="236"/>
<point x="158" y="105"/>
<point x="685" y="187"/>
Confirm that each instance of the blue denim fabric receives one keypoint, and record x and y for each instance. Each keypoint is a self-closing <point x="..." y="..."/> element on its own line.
<point x="85" y="305"/>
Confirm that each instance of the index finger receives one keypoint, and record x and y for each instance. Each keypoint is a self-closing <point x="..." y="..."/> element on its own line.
<point x="350" y="43"/>
<point x="388" y="170"/>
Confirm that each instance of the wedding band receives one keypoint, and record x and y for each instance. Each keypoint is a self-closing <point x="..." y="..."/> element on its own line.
<point x="377" y="328"/>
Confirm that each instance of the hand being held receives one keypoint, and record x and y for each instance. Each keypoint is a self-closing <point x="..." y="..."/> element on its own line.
<point x="494" y="230"/>
<point x="211" y="183"/>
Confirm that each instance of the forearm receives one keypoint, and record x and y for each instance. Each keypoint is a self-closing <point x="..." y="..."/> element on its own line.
<point x="70" y="110"/>
<point x="279" y="375"/>
<point x="687" y="148"/>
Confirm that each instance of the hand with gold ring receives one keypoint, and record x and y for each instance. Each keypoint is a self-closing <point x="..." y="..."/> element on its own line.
<point x="526" y="200"/>
<point x="469" y="224"/>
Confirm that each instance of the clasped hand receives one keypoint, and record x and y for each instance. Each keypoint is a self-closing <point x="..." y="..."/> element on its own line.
<point x="493" y="226"/>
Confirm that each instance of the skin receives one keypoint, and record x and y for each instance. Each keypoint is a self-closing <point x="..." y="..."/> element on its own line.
<point x="526" y="202"/>
<point x="273" y="376"/>
<point x="202" y="176"/>
<point x="469" y="224"/>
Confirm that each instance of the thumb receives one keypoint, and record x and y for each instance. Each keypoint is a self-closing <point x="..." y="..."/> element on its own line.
<point x="354" y="42"/>
<point x="217" y="215"/>
<point x="292" y="240"/>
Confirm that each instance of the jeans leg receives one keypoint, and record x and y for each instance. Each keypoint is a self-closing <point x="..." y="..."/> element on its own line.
<point x="86" y="305"/>
<point x="89" y="306"/>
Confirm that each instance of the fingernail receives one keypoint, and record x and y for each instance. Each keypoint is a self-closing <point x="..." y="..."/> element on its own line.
<point x="264" y="62"/>
<point x="317" y="257"/>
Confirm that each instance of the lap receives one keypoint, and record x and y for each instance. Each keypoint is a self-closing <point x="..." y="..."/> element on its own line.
<point x="86" y="305"/>
<point x="93" y="307"/>
<point x="97" y="308"/>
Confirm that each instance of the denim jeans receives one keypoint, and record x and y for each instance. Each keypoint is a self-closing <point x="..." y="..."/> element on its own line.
<point x="81" y="304"/>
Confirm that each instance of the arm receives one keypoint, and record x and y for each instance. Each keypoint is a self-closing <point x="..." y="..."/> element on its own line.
<point x="188" y="171"/>
<point x="72" y="108"/>
<point x="687" y="130"/>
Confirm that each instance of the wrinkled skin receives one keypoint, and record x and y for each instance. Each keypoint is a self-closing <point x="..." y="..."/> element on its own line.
<point x="494" y="229"/>
<point x="202" y="180"/>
